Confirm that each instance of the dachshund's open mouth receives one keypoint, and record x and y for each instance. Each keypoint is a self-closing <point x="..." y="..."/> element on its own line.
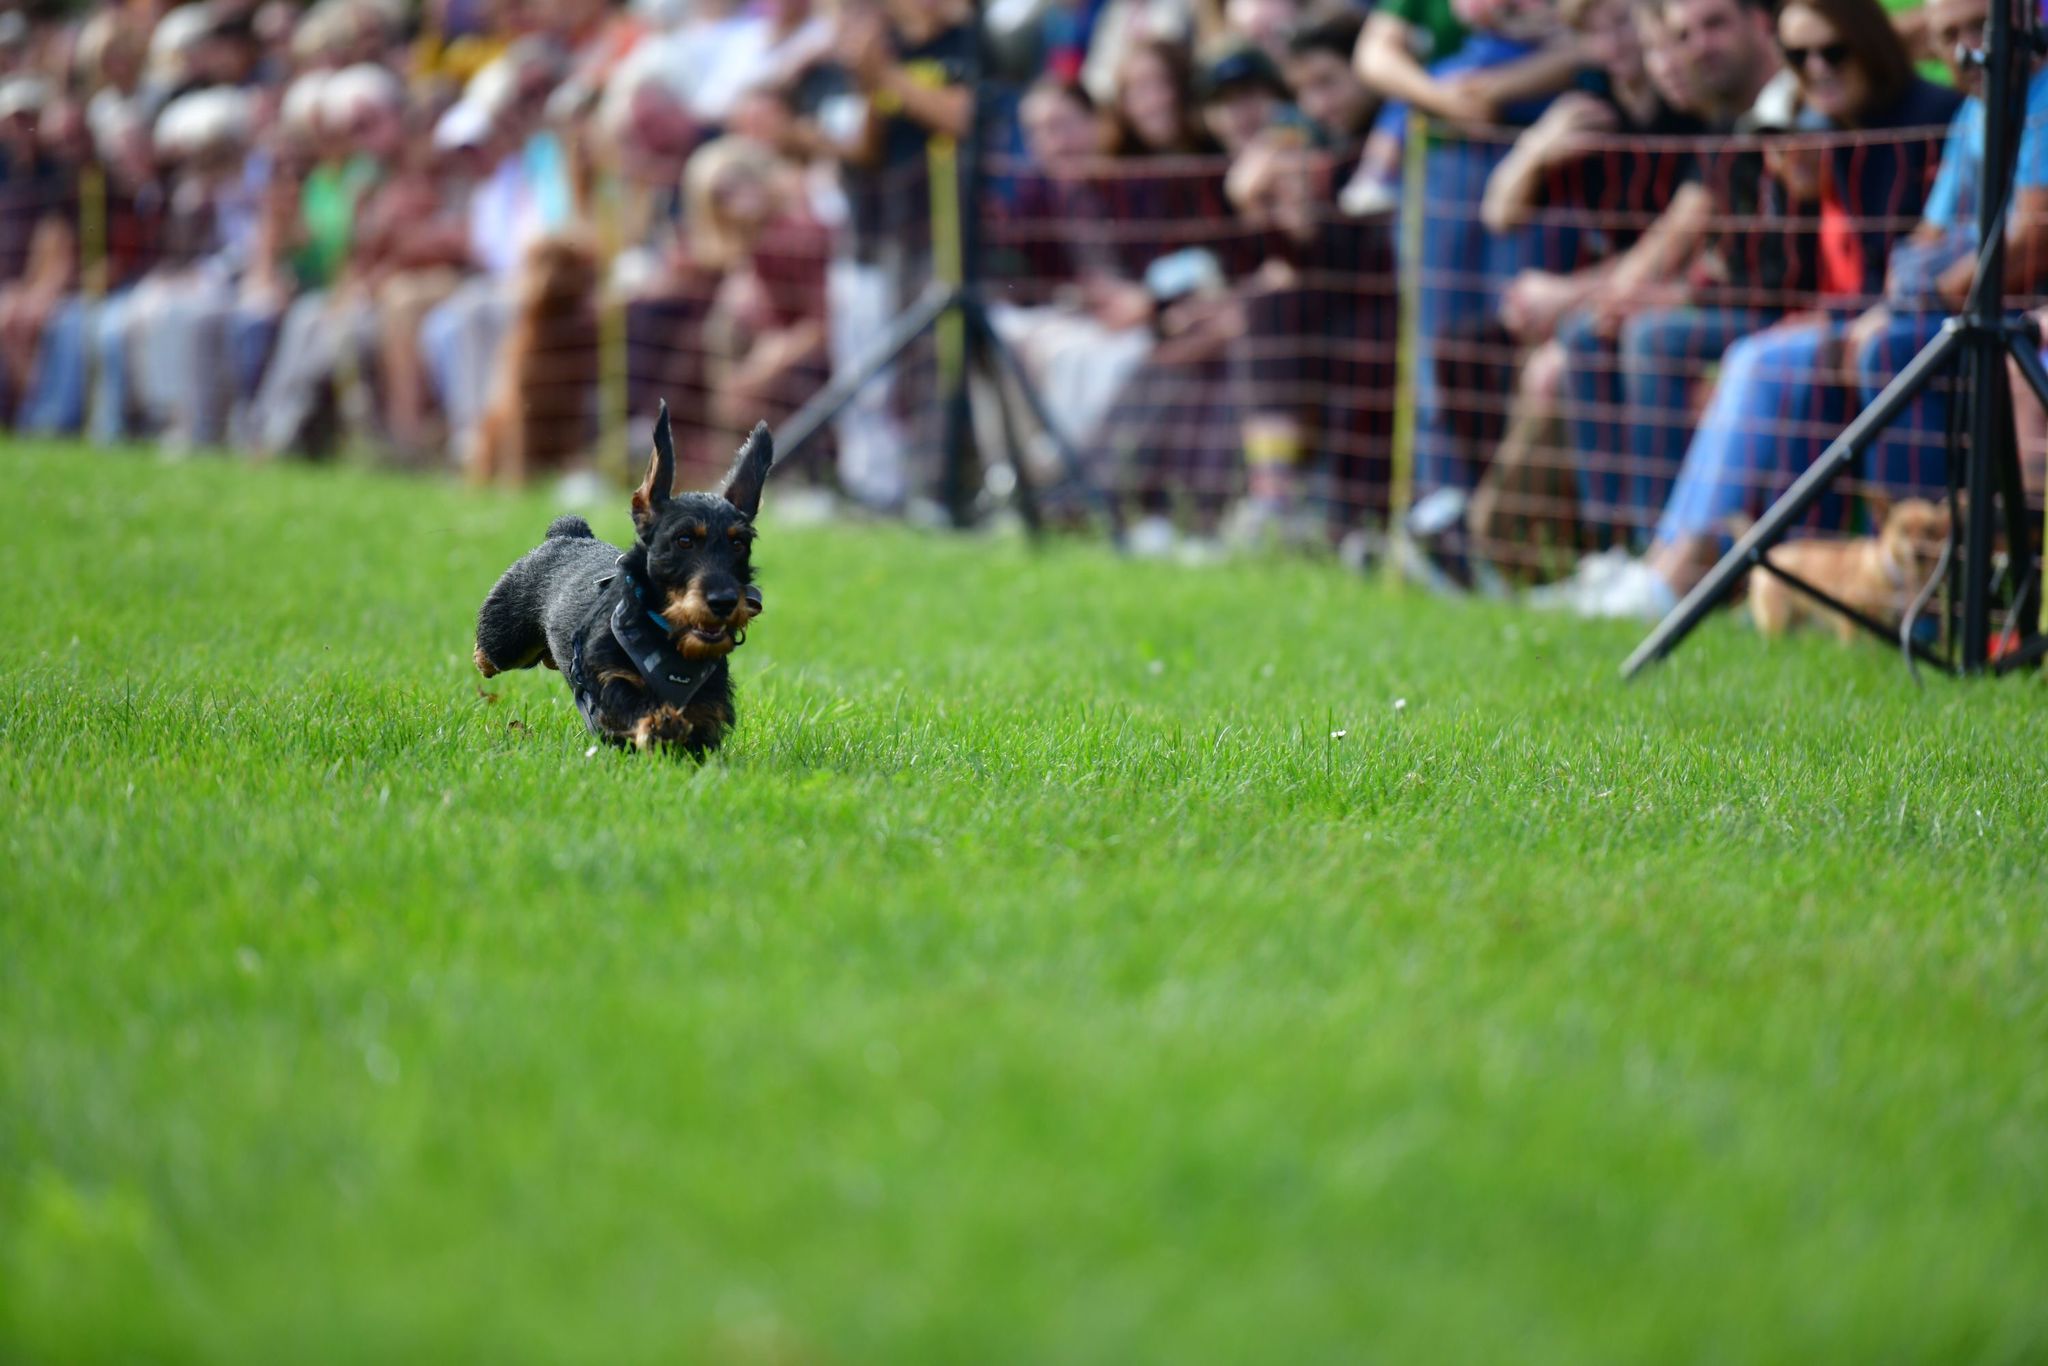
<point x="702" y="637"/>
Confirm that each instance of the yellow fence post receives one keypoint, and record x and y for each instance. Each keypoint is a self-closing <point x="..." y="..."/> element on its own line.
<point x="612" y="393"/>
<point x="92" y="269"/>
<point x="1407" y="329"/>
<point x="942" y="156"/>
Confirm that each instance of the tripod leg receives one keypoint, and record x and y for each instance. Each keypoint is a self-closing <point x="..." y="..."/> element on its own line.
<point x="2026" y="354"/>
<point x="1025" y="492"/>
<point x="2025" y="564"/>
<point x="1070" y="458"/>
<point x="1805" y="491"/>
<point x="1989" y="419"/>
<point x="826" y="404"/>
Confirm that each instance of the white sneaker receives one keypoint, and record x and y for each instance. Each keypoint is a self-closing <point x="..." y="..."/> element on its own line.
<point x="1367" y="196"/>
<point x="1151" y="538"/>
<point x="1588" y="579"/>
<point x="1638" y="593"/>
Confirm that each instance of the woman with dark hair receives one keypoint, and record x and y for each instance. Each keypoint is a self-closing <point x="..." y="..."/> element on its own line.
<point x="1776" y="402"/>
<point x="1155" y="113"/>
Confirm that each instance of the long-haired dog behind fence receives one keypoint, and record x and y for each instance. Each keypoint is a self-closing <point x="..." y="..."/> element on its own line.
<point x="540" y="415"/>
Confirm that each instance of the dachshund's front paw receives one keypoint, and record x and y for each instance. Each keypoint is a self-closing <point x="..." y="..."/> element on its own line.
<point x="662" y="728"/>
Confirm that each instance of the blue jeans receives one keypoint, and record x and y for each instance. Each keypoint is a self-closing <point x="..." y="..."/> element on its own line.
<point x="55" y="401"/>
<point x="1772" y="413"/>
<point x="1912" y="456"/>
<point x="1628" y="407"/>
<point x="1464" y="268"/>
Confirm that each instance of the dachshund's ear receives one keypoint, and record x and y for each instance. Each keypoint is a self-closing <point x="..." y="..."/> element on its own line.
<point x="750" y="472"/>
<point x="659" y="485"/>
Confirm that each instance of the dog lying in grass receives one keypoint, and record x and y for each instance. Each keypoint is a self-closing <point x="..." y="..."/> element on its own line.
<point x="1877" y="575"/>
<point x="641" y="635"/>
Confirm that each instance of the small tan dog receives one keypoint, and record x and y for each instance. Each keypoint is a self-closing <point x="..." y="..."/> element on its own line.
<point x="1878" y="575"/>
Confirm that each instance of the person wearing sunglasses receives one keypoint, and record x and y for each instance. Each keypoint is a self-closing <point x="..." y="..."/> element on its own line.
<point x="1877" y="129"/>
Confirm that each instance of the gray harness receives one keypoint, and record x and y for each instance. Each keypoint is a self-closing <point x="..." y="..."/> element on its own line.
<point x="644" y="636"/>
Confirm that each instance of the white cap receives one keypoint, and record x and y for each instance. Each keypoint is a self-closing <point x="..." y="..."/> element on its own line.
<point x="22" y="95"/>
<point x="464" y="125"/>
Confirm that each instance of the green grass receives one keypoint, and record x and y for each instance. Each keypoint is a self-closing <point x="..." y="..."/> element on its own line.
<point x="1033" y="978"/>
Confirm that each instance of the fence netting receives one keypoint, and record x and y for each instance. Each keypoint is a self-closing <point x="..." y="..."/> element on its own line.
<point x="1230" y="356"/>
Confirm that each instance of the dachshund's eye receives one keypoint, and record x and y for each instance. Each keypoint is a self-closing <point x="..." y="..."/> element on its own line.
<point x="684" y="543"/>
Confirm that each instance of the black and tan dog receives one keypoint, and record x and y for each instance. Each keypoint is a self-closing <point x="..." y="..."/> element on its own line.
<point x="640" y="635"/>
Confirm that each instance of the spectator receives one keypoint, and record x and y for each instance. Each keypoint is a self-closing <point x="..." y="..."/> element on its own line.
<point x="1300" y="366"/>
<point x="177" y="322"/>
<point x="1581" y="157"/>
<point x="526" y="196"/>
<point x="908" y="69"/>
<point x="1682" y="293"/>
<point x="1153" y="111"/>
<point x="1931" y="273"/>
<point x="38" y="208"/>
<point x="766" y="332"/>
<point x="1069" y="307"/>
<point x="1242" y="95"/>
<point x="348" y="218"/>
<point x="1325" y="85"/>
<point x="1773" y="397"/>
<point x="1425" y="55"/>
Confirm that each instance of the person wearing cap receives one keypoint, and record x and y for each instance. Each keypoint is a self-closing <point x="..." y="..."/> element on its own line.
<point x="1324" y="83"/>
<point x="1242" y="94"/>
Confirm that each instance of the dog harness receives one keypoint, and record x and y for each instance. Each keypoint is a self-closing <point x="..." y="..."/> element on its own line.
<point x="644" y="635"/>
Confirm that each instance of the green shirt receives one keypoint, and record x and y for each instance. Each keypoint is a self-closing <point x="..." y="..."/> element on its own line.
<point x="1438" y="34"/>
<point x="327" y="207"/>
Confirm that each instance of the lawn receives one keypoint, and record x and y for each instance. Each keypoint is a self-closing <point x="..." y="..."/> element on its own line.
<point x="1067" y="961"/>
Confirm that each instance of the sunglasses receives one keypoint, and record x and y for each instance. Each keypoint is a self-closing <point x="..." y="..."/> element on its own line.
<point x="1832" y="56"/>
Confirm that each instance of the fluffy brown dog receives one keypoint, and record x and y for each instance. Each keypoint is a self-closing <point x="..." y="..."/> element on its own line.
<point x="538" y="419"/>
<point x="1878" y="575"/>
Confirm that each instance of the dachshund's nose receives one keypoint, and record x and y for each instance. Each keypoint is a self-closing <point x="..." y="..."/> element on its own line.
<point x="723" y="602"/>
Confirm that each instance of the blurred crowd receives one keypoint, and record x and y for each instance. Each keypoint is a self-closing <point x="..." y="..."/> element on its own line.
<point x="1655" y="251"/>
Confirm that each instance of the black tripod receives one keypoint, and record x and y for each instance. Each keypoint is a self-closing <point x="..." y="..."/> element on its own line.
<point x="983" y="351"/>
<point x="1976" y="343"/>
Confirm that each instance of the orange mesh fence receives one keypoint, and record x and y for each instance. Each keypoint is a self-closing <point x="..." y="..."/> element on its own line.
<point x="1221" y="345"/>
<point x="1647" y="343"/>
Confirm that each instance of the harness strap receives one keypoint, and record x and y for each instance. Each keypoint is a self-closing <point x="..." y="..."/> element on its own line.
<point x="644" y="637"/>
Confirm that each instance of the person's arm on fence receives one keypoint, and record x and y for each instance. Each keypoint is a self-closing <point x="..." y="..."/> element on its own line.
<point x="1515" y="186"/>
<point x="1543" y="72"/>
<point x="1386" y="62"/>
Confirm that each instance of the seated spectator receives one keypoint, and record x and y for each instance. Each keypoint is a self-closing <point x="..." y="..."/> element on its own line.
<point x="1324" y="84"/>
<point x="337" y="261"/>
<point x="39" y="163"/>
<point x="1300" y="365"/>
<point x="766" y="333"/>
<point x="177" y="321"/>
<point x="77" y="333"/>
<point x="1932" y="272"/>
<point x="526" y="196"/>
<point x="1733" y="251"/>
<point x="1774" y="403"/>
<point x="1062" y="285"/>
<point x="1581" y="158"/>
<point x="1242" y="95"/>
<point x="1153" y="110"/>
